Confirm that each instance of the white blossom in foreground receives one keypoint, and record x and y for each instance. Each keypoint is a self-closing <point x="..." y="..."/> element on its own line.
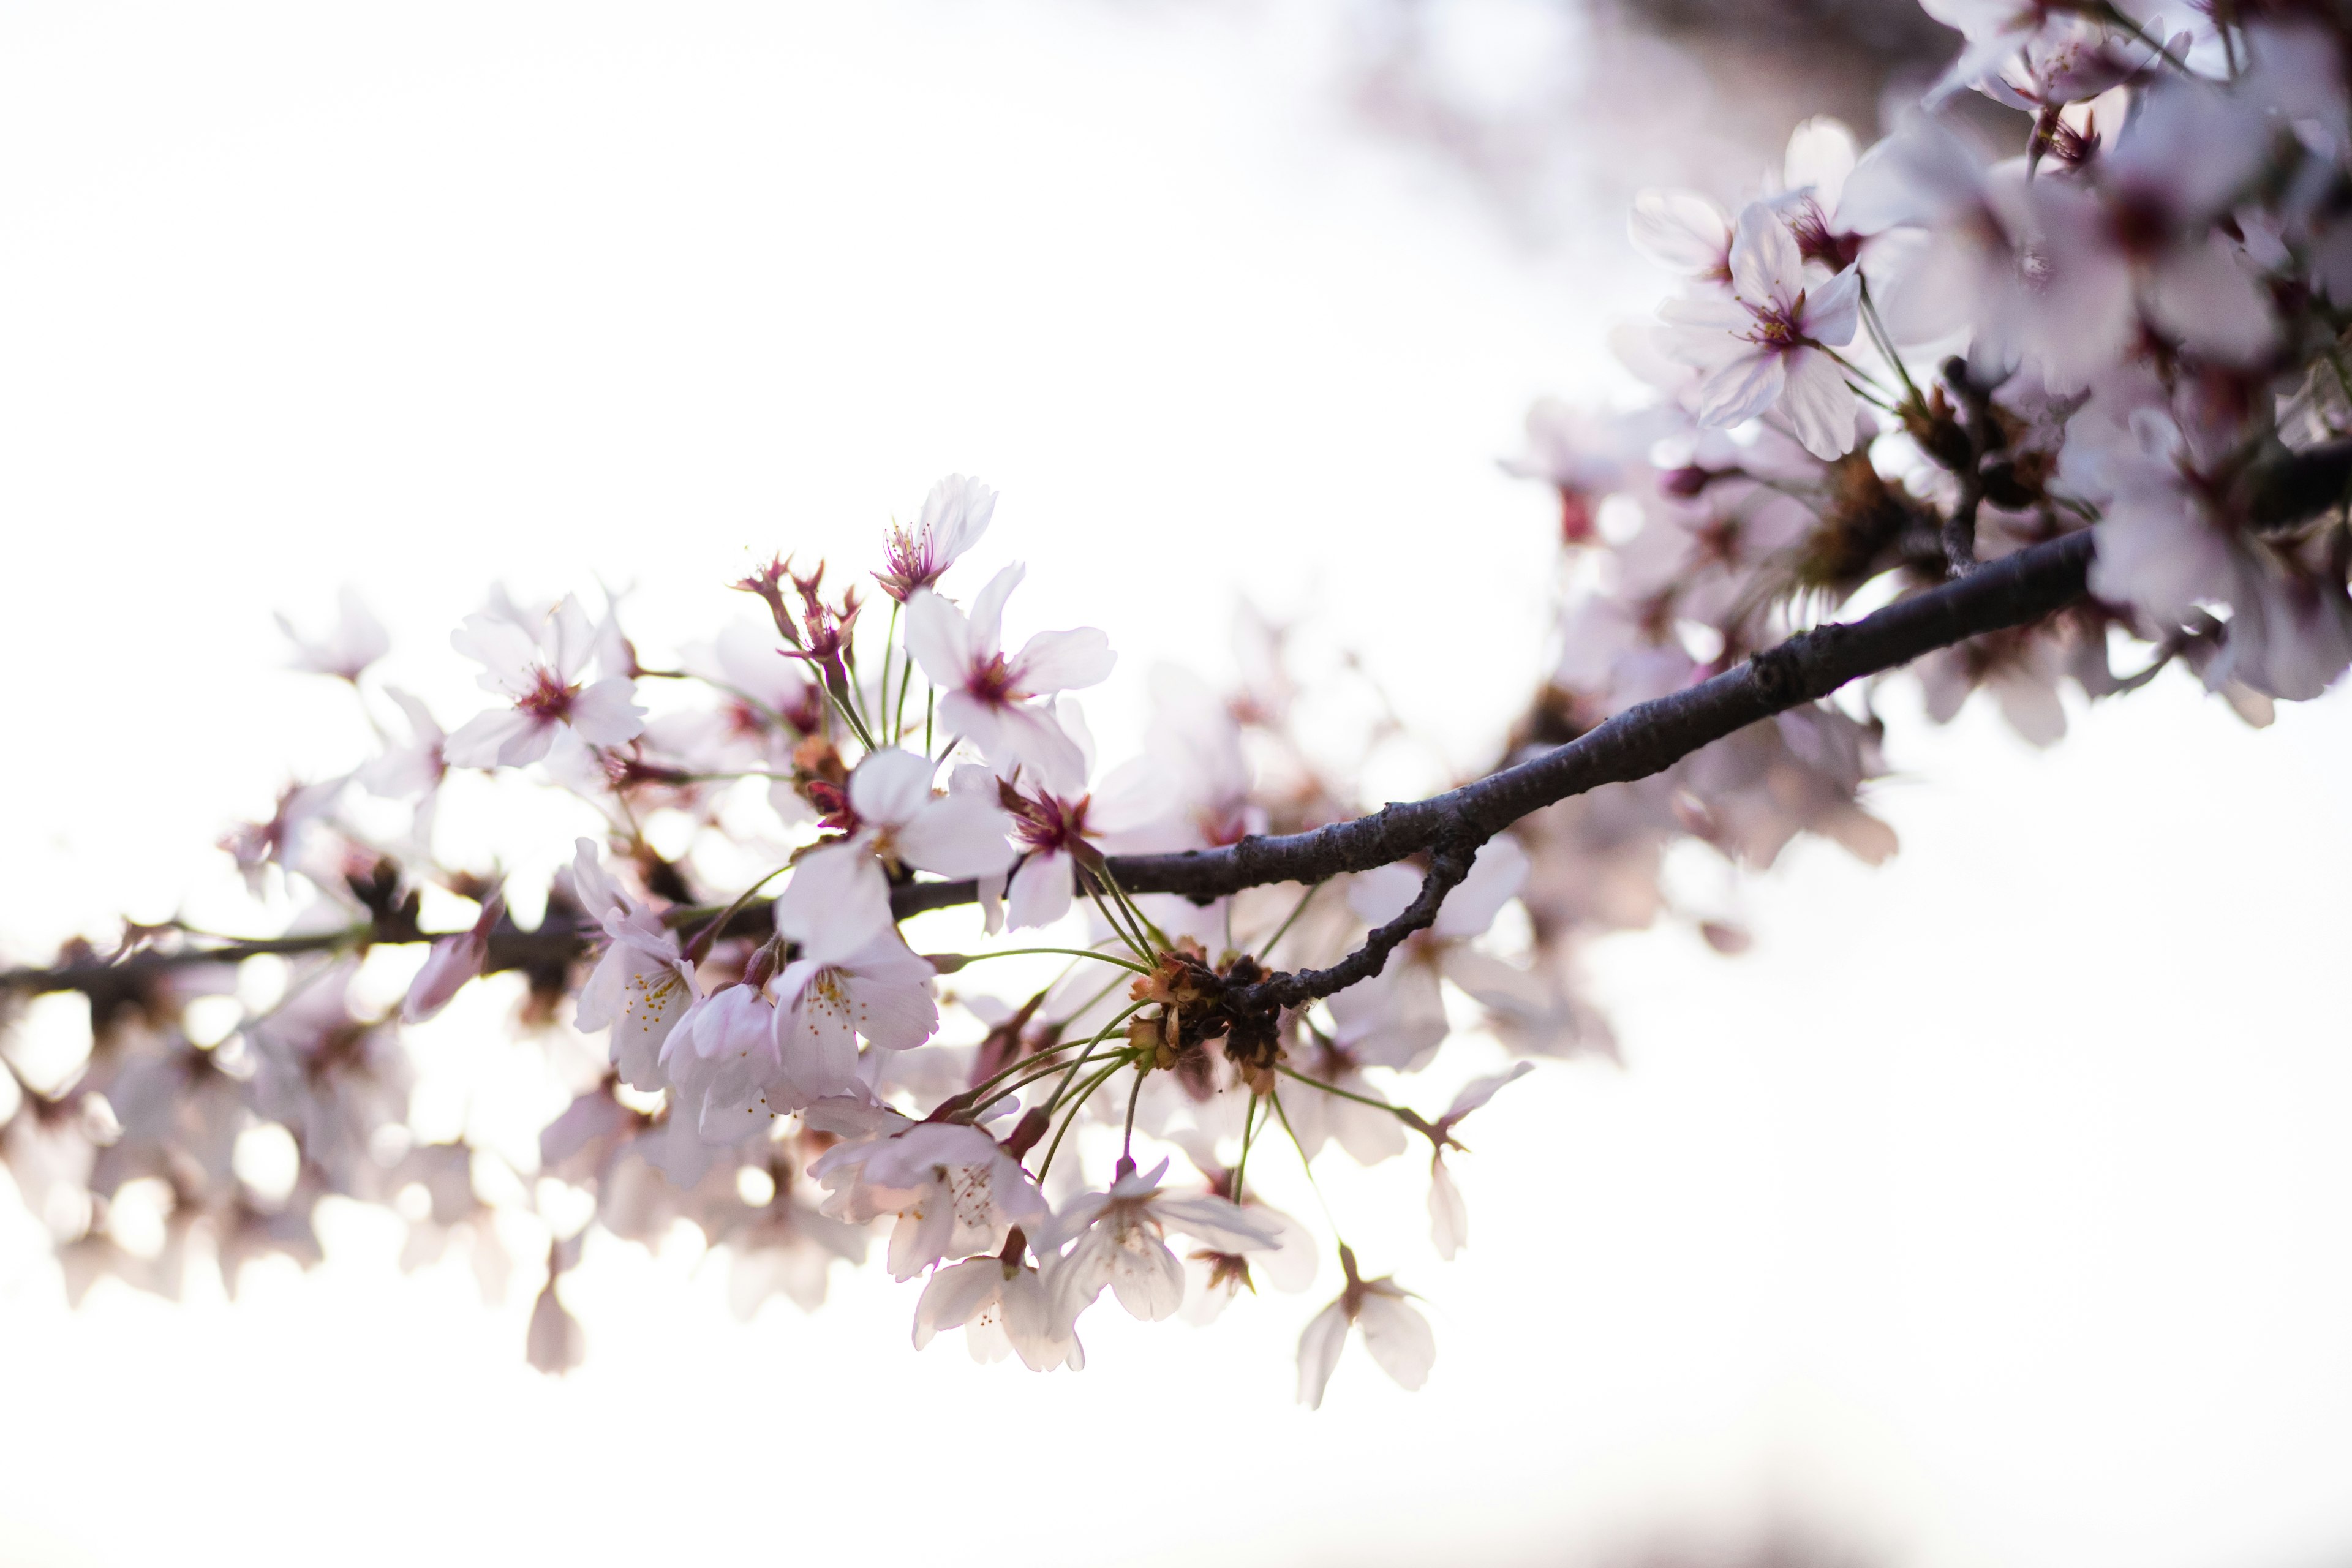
<point x="879" y="990"/>
<point x="1001" y="1307"/>
<point x="894" y="822"/>
<point x="1395" y="1333"/>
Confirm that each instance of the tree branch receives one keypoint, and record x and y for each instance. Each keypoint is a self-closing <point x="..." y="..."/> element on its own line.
<point x="2017" y="590"/>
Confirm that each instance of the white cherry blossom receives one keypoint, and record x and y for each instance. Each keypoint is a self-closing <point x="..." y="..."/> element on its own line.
<point x="1116" y="1238"/>
<point x="955" y="514"/>
<point x="1395" y="1333"/>
<point x="953" y="1190"/>
<point x="541" y="677"/>
<point x="1766" y="348"/>
<point x="989" y="698"/>
<point x="840" y="894"/>
<point x="642" y="985"/>
<point x="879" y="990"/>
<point x="1003" y="1307"/>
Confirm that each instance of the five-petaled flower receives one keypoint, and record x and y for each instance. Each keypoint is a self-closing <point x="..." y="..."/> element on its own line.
<point x="540" y="678"/>
<point x="990" y="697"/>
<point x="1769" y="346"/>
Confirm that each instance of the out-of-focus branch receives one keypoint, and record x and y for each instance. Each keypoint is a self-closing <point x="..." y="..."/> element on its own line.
<point x="2017" y="590"/>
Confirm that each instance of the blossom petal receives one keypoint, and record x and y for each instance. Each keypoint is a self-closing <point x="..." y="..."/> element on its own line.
<point x="604" y="714"/>
<point x="940" y="639"/>
<point x="1819" y="404"/>
<point x="1741" y="389"/>
<point x="988" y="610"/>
<point x="956" y="836"/>
<point x="1399" y="1338"/>
<point x="1041" y="891"/>
<point x="1766" y="270"/>
<point x="890" y="786"/>
<point x="1680" y="230"/>
<point x="1064" y="661"/>
<point x="1318" y="1352"/>
<point x="837" y="902"/>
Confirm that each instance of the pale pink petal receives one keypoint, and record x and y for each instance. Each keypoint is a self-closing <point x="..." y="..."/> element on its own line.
<point x="508" y="653"/>
<point x="1681" y="230"/>
<point x="1146" y="1277"/>
<point x="1744" y="387"/>
<point x="1063" y="661"/>
<point x="503" y="737"/>
<point x="1819" y="404"/>
<point x="1399" y="1338"/>
<point x="956" y="836"/>
<point x="890" y="786"/>
<point x="1833" y="311"/>
<point x="1766" y="266"/>
<point x="940" y="639"/>
<point x="1449" y="1217"/>
<point x="1318" y="1352"/>
<point x="1041" y="892"/>
<point x="1030" y="736"/>
<point x="817" y="1034"/>
<point x="988" y="610"/>
<point x="836" y="902"/>
<point x="604" y="713"/>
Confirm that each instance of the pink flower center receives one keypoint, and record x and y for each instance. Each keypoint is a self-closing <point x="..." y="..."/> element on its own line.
<point x="1050" y="824"/>
<point x="992" y="682"/>
<point x="549" y="701"/>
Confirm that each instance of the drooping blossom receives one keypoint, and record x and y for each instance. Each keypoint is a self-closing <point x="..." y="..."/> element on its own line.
<point x="954" y="1191"/>
<point x="541" y="677"/>
<point x="1449" y="1217"/>
<point x="1117" y="1239"/>
<point x="720" y="1059"/>
<point x="880" y="990"/>
<point x="1003" y="1307"/>
<point x="1395" y="1333"/>
<point x="642" y="984"/>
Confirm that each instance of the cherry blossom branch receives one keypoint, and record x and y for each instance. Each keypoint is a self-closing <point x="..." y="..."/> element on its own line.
<point x="2016" y="590"/>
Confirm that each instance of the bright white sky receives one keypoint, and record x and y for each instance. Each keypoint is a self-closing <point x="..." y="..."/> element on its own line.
<point x="1995" y="1210"/>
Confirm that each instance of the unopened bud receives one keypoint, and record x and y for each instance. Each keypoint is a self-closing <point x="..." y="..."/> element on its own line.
<point x="1026" y="1132"/>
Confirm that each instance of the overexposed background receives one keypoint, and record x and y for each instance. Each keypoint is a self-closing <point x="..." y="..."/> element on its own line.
<point x="1994" y="1210"/>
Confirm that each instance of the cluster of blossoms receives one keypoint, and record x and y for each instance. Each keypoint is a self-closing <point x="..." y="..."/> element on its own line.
<point x="2134" y="325"/>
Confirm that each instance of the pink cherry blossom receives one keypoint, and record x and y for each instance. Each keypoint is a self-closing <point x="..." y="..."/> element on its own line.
<point x="1395" y="1333"/>
<point x="989" y="698"/>
<point x="541" y="677"/>
<point x="955" y="514"/>
<point x="1765" y="349"/>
